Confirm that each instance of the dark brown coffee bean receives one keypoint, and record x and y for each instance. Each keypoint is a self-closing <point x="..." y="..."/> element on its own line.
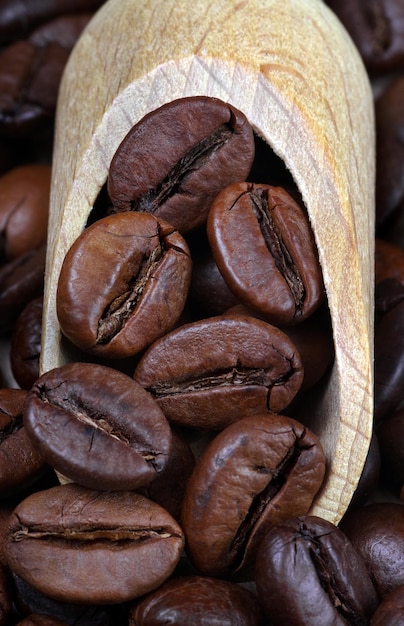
<point x="29" y="84"/>
<point x="178" y="157"/>
<point x="200" y="601"/>
<point x="265" y="250"/>
<point x="21" y="280"/>
<point x="97" y="426"/>
<point x="25" y="344"/>
<point x="78" y="545"/>
<point x="24" y="209"/>
<point x="308" y="574"/>
<point x="18" y="19"/>
<point x="134" y="292"/>
<point x="210" y="373"/>
<point x="377" y="533"/>
<point x="390" y="612"/>
<point x="377" y="29"/>
<point x="252" y="476"/>
<point x="20" y="462"/>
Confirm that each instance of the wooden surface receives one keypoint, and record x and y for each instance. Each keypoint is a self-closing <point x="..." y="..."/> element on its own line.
<point x="291" y="68"/>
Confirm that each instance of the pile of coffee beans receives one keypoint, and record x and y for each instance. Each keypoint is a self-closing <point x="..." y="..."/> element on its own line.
<point x="166" y="474"/>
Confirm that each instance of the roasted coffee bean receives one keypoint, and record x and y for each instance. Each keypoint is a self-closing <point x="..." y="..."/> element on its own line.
<point x="18" y="19"/>
<point x="178" y="157"/>
<point x="97" y="426"/>
<point x="200" y="601"/>
<point x="20" y="463"/>
<point x="390" y="612"/>
<point x="133" y="294"/>
<point x="24" y="209"/>
<point x="210" y="373"/>
<point x="308" y="574"/>
<point x="377" y="533"/>
<point x="263" y="245"/>
<point x="84" y="546"/>
<point x="29" y="83"/>
<point x="21" y="280"/>
<point x="389" y="112"/>
<point x="252" y="476"/>
<point x="377" y="29"/>
<point x="30" y="74"/>
<point x="25" y="344"/>
<point x="390" y="434"/>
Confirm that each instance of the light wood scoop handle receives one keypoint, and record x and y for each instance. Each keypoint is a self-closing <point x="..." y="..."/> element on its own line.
<point x="292" y="69"/>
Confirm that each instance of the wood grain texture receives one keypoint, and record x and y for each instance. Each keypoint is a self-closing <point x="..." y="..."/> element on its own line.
<point x="292" y="69"/>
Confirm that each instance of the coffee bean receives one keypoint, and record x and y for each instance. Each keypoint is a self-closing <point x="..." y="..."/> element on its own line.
<point x="97" y="426"/>
<point x="178" y="157"/>
<point x="308" y="573"/>
<point x="79" y="545"/>
<point x="20" y="462"/>
<point x="197" y="600"/>
<point x="265" y="250"/>
<point x="377" y="533"/>
<point x="123" y="284"/>
<point x="252" y="476"/>
<point x="210" y="373"/>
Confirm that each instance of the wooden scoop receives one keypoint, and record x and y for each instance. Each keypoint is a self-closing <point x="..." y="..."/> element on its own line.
<point x="292" y="69"/>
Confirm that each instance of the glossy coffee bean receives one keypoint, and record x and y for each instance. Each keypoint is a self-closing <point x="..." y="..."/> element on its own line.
<point x="308" y="574"/>
<point x="25" y="344"/>
<point x="389" y="261"/>
<point x="390" y="612"/>
<point x="369" y="479"/>
<point x="78" y="545"/>
<point x="210" y="373"/>
<point x="24" y="209"/>
<point x="377" y="533"/>
<point x="263" y="245"/>
<point x="253" y="475"/>
<point x="97" y="426"/>
<point x="20" y="462"/>
<point x="200" y="601"/>
<point x="178" y="157"/>
<point x="134" y="292"/>
<point x="377" y="29"/>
